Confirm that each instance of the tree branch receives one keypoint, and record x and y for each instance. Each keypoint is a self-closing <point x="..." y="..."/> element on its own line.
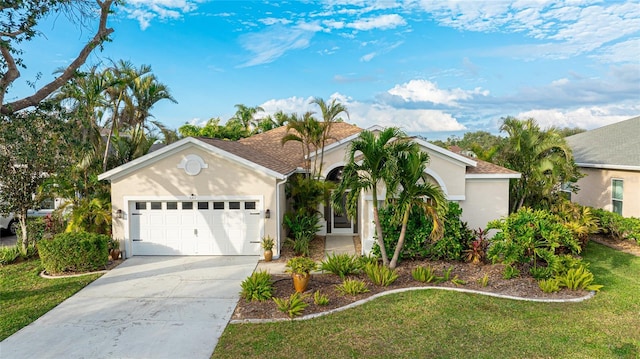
<point x="101" y="35"/>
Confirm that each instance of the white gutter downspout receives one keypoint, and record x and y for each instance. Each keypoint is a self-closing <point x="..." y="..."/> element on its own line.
<point x="278" y="209"/>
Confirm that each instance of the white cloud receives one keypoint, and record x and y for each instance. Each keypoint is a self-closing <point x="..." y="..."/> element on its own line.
<point x="272" y="21"/>
<point x="273" y="42"/>
<point x="427" y="91"/>
<point x="382" y="22"/>
<point x="369" y="114"/>
<point x="146" y="10"/>
<point x="368" y="57"/>
<point x="586" y="117"/>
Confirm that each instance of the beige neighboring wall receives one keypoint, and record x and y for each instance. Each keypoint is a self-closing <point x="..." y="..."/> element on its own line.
<point x="486" y="200"/>
<point x="449" y="174"/>
<point x="222" y="178"/>
<point x="595" y="190"/>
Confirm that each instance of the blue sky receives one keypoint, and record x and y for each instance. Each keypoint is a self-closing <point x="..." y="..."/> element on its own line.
<point x="436" y="68"/>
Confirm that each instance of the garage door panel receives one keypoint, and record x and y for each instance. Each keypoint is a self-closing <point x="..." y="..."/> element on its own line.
<point x="196" y="227"/>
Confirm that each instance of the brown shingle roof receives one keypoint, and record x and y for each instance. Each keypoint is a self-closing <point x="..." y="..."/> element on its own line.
<point x="483" y="167"/>
<point x="270" y="142"/>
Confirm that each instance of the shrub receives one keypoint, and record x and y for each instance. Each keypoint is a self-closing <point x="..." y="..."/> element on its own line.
<point x="352" y="287"/>
<point x="477" y="251"/>
<point x="484" y="281"/>
<point x="257" y="287"/>
<point x="578" y="278"/>
<point x="549" y="285"/>
<point x="8" y="255"/>
<point x="302" y="228"/>
<point x="293" y="306"/>
<point x="423" y="274"/>
<point x="618" y="227"/>
<point x="541" y="272"/>
<point x="456" y="238"/>
<point x="580" y="220"/>
<point x="320" y="299"/>
<point x="529" y="236"/>
<point x="381" y="275"/>
<point x="341" y="264"/>
<point x="74" y="252"/>
<point x="510" y="272"/>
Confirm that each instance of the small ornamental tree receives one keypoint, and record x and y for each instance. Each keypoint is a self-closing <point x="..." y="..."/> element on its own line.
<point x="33" y="146"/>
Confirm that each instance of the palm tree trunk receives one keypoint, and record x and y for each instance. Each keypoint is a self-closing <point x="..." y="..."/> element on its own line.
<point x="400" y="244"/>
<point x="376" y="220"/>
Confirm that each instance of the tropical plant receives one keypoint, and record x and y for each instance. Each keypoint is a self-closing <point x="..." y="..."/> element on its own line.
<point x="371" y="159"/>
<point x="484" y="281"/>
<point x="510" y="272"/>
<point x="413" y="191"/>
<point x="293" y="306"/>
<point x="424" y="274"/>
<point x="341" y="264"/>
<point x="477" y="251"/>
<point x="302" y="227"/>
<point x="618" y="227"/>
<point x="257" y="287"/>
<point x="352" y="287"/>
<point x="246" y="116"/>
<point x="542" y="157"/>
<point x="578" y="278"/>
<point x="549" y="285"/>
<point x="320" y="299"/>
<point x="300" y="265"/>
<point x="91" y="215"/>
<point x="267" y="243"/>
<point x="330" y="114"/>
<point x="381" y="275"/>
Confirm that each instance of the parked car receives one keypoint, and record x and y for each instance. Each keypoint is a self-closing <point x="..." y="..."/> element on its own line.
<point x="8" y="224"/>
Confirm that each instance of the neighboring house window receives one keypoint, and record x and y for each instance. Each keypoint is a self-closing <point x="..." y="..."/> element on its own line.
<point x="566" y="190"/>
<point x="616" y="195"/>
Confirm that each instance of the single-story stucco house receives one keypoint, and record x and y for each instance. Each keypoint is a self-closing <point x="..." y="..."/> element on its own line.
<point x="202" y="196"/>
<point x="609" y="157"/>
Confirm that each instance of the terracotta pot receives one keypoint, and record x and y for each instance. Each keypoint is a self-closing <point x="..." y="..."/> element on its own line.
<point x="300" y="281"/>
<point x="268" y="255"/>
<point x="115" y="254"/>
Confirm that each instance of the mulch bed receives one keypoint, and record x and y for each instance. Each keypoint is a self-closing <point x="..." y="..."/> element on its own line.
<point x="524" y="286"/>
<point x="626" y="246"/>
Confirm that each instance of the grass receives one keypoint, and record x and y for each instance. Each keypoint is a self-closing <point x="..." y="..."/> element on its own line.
<point x="24" y="296"/>
<point x="443" y="324"/>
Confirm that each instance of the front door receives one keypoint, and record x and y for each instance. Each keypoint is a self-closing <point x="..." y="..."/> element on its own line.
<point x="340" y="223"/>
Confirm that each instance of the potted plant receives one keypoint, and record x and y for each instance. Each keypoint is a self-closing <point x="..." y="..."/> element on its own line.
<point x="267" y="244"/>
<point x="300" y="269"/>
<point x="114" y="249"/>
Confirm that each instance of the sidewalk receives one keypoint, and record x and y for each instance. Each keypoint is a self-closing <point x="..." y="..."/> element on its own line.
<point x="332" y="245"/>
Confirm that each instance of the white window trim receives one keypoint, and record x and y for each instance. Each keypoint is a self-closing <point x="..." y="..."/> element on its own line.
<point x="621" y="200"/>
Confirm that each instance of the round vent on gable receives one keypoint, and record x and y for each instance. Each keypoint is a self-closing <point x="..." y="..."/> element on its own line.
<point x="192" y="164"/>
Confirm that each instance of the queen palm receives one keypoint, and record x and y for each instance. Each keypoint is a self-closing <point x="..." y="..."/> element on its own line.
<point x="371" y="161"/>
<point x="306" y="130"/>
<point x="246" y="115"/>
<point x="414" y="192"/>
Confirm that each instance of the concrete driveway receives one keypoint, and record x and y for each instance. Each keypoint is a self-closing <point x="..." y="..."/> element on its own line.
<point x="147" y="307"/>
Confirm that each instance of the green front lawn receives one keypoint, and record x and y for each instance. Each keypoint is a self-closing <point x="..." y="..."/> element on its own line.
<point x="24" y="296"/>
<point x="431" y="323"/>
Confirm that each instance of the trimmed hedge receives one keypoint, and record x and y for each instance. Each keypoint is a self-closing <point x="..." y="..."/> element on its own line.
<point x="74" y="252"/>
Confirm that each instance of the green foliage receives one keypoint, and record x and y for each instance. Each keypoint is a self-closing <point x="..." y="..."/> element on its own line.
<point x="455" y="240"/>
<point x="74" y="252"/>
<point x="484" y="281"/>
<point x="341" y="264"/>
<point x="446" y="275"/>
<point x="424" y="274"/>
<point x="549" y="285"/>
<point x="307" y="193"/>
<point x="352" y="287"/>
<point x="257" y="287"/>
<point x="293" y="306"/>
<point x="618" y="227"/>
<point x="457" y="281"/>
<point x="477" y="251"/>
<point x="91" y="215"/>
<point x="541" y="272"/>
<point x="578" y="278"/>
<point x="580" y="220"/>
<point x="381" y="275"/>
<point x="9" y="254"/>
<point x="302" y="227"/>
<point x="529" y="236"/>
<point x="301" y="265"/>
<point x="510" y="272"/>
<point x="320" y="299"/>
<point x="267" y="243"/>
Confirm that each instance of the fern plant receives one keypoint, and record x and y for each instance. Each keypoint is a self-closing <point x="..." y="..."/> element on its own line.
<point x="257" y="287"/>
<point x="381" y="275"/>
<point x="293" y="306"/>
<point x="423" y="274"/>
<point x="341" y="265"/>
<point x="352" y="287"/>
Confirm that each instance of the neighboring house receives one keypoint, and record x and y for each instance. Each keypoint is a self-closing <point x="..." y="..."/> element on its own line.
<point x="201" y="196"/>
<point x="609" y="157"/>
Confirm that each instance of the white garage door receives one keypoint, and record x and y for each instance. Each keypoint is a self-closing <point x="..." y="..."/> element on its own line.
<point x="226" y="227"/>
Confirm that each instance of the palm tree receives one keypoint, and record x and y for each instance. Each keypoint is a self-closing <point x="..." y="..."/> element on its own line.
<point x="416" y="193"/>
<point x="306" y="130"/>
<point x="543" y="159"/>
<point x="330" y="114"/>
<point x="371" y="159"/>
<point x="246" y="115"/>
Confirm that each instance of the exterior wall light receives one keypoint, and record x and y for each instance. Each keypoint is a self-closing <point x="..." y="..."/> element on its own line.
<point x="267" y="213"/>
<point x="119" y="214"/>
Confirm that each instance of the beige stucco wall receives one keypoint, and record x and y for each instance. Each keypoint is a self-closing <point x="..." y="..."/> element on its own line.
<point x="448" y="173"/>
<point x="595" y="190"/>
<point x="222" y="178"/>
<point x="486" y="200"/>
